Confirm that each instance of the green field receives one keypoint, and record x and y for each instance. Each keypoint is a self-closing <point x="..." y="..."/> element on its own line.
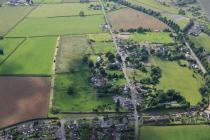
<point x="71" y="49"/>
<point x="103" y="47"/>
<point x="34" y="56"/>
<point x="103" y="37"/>
<point x="65" y="9"/>
<point x="183" y="23"/>
<point x="155" y="5"/>
<point x="191" y="132"/>
<point x="9" y="45"/>
<point x="85" y="98"/>
<point x="152" y="37"/>
<point x="137" y="74"/>
<point x="9" y="16"/>
<point x="58" y="26"/>
<point x="69" y="59"/>
<point x="203" y="40"/>
<point x="182" y="79"/>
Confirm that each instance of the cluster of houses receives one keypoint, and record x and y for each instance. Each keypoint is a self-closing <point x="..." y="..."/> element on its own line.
<point x="20" y="2"/>
<point x="124" y="102"/>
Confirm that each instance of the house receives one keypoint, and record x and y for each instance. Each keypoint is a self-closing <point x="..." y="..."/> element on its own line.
<point x="195" y="30"/>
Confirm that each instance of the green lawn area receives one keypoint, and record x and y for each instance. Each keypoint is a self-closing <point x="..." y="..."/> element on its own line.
<point x="9" y="16"/>
<point x="103" y="47"/>
<point x="85" y="98"/>
<point x="34" y="56"/>
<point x="58" y="26"/>
<point x="182" y="79"/>
<point x="191" y="132"/>
<point x="70" y="53"/>
<point x="137" y="74"/>
<point x="203" y="40"/>
<point x="152" y="37"/>
<point x="155" y="5"/>
<point x="102" y="37"/>
<point x="9" y="45"/>
<point x="183" y="23"/>
<point x="65" y="9"/>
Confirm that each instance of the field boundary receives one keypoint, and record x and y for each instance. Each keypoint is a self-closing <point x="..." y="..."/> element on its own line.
<point x="25" y="75"/>
<point x="53" y="73"/>
<point x="73" y="16"/>
<point x="24" y="17"/>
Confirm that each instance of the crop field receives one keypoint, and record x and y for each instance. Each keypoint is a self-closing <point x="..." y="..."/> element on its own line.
<point x="176" y="77"/>
<point x="10" y="16"/>
<point x="60" y="26"/>
<point x="152" y="37"/>
<point x="191" y="132"/>
<point x="9" y="45"/>
<point x="23" y="98"/>
<point x="34" y="56"/>
<point x="64" y="9"/>
<point x="127" y="18"/>
<point x="70" y="53"/>
<point x="203" y="40"/>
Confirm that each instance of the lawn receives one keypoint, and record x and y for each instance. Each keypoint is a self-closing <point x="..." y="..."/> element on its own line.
<point x="191" y="132"/>
<point x="70" y="53"/>
<point x="34" y="56"/>
<point x="152" y="37"/>
<point x="103" y="47"/>
<point x="183" y="23"/>
<point x="102" y="37"/>
<point x="182" y="79"/>
<point x="84" y="99"/>
<point x="9" y="45"/>
<point x="203" y="40"/>
<point x="10" y="16"/>
<point x="137" y="74"/>
<point x="58" y="26"/>
<point x="64" y="9"/>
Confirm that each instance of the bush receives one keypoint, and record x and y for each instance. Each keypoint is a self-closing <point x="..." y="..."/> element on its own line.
<point x="55" y="110"/>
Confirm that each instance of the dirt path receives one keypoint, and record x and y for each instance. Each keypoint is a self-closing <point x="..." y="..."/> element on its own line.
<point x="53" y="73"/>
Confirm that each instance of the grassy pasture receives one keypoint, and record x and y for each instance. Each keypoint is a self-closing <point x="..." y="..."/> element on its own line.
<point x="85" y="98"/>
<point x="70" y="52"/>
<point x="34" y="56"/>
<point x="103" y="47"/>
<point x="102" y="37"/>
<point x="58" y="26"/>
<point x="10" y="16"/>
<point x="191" y="132"/>
<point x="203" y="40"/>
<point x="152" y="37"/>
<point x="127" y="18"/>
<point x="181" y="79"/>
<point x="64" y="9"/>
<point x="8" y="45"/>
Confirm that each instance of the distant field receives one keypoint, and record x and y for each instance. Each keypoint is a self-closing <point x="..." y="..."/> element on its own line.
<point x="58" y="26"/>
<point x="8" y="45"/>
<point x="203" y="40"/>
<point x="176" y="77"/>
<point x="34" y="56"/>
<point x="191" y="132"/>
<point x="155" y="5"/>
<point x="10" y="16"/>
<point x="103" y="47"/>
<point x="103" y="37"/>
<point x="23" y="98"/>
<point x="65" y="9"/>
<point x="127" y="18"/>
<point x="71" y="49"/>
<point x="152" y="37"/>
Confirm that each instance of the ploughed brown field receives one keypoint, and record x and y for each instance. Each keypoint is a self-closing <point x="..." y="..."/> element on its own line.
<point x="127" y="18"/>
<point x="23" y="98"/>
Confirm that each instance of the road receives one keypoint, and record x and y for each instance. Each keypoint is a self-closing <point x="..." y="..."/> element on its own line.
<point x="132" y="88"/>
<point x="195" y="57"/>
